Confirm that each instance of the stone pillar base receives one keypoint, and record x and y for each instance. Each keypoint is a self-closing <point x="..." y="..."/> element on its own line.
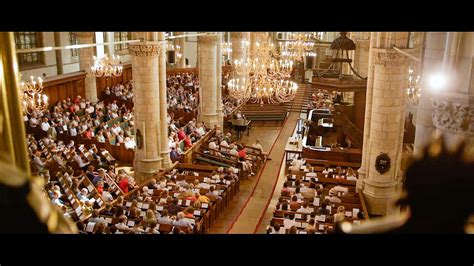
<point x="146" y="168"/>
<point x="166" y="164"/>
<point x="380" y="197"/>
<point x="209" y="119"/>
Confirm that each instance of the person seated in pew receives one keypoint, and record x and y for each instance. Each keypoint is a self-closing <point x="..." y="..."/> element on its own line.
<point x="190" y="196"/>
<point x="351" y="175"/>
<point x="149" y="218"/>
<point x="153" y="184"/>
<point x="100" y="187"/>
<point x="99" y="177"/>
<point x="340" y="216"/>
<point x="326" y="169"/>
<point x="130" y="143"/>
<point x="257" y="145"/>
<point x="144" y="192"/>
<point x="213" y="192"/>
<point x="294" y="204"/>
<point x="56" y="200"/>
<point x="311" y="228"/>
<point x="87" y="207"/>
<point x="293" y="230"/>
<point x="176" y="231"/>
<point x="233" y="150"/>
<point x="286" y="188"/>
<point x="165" y="218"/>
<point x="107" y="211"/>
<point x="284" y="206"/>
<point x="100" y="228"/>
<point x="79" y="160"/>
<point x="339" y="171"/>
<point x="151" y="229"/>
<point x="188" y="212"/>
<point x="123" y="183"/>
<point x="298" y="192"/>
<point x="119" y="202"/>
<point x="308" y="192"/>
<point x="246" y="166"/>
<point x="330" y="175"/>
<point x="134" y="214"/>
<point x="274" y="230"/>
<point x="174" y="208"/>
<point x="323" y="209"/>
<point x="174" y="154"/>
<point x="83" y="195"/>
<point x="289" y="220"/>
<point x="107" y="195"/>
<point x="58" y="158"/>
<point x="296" y="164"/>
<point x="95" y="217"/>
<point x="180" y="222"/>
<point x="304" y="208"/>
<point x="122" y="224"/>
<point x="183" y="183"/>
<point x="202" y="198"/>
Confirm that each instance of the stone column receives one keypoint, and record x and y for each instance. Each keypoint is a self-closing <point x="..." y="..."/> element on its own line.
<point x="453" y="104"/>
<point x="361" y="54"/>
<point x="147" y="109"/>
<point x="207" y="46"/>
<point x="239" y="50"/>
<point x="219" y="104"/>
<point x="368" y="115"/>
<point x="387" y="120"/>
<point x="59" y="55"/>
<point x="85" y="62"/>
<point x="181" y="62"/>
<point x="432" y="62"/>
<point x="165" y="151"/>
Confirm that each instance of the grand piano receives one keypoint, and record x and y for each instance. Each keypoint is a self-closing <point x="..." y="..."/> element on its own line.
<point x="240" y="125"/>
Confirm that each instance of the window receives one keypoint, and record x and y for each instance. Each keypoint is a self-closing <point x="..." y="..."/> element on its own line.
<point x="119" y="37"/>
<point x="28" y="40"/>
<point x="73" y="41"/>
<point x="411" y="40"/>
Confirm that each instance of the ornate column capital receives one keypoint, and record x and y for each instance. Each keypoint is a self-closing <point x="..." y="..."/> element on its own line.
<point x="208" y="40"/>
<point x="144" y="49"/>
<point x="453" y="114"/>
<point x="389" y="57"/>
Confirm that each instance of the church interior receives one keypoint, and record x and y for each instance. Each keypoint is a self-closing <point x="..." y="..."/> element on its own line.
<point x="237" y="132"/>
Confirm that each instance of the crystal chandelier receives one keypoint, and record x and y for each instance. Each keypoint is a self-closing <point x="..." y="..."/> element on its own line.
<point x="226" y="48"/>
<point x="413" y="90"/>
<point x="107" y="67"/>
<point x="267" y="78"/>
<point x="298" y="47"/>
<point x="32" y="97"/>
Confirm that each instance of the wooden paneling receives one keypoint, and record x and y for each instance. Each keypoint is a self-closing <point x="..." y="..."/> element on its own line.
<point x="103" y="83"/>
<point x="72" y="84"/>
<point x="336" y="154"/>
<point x="64" y="86"/>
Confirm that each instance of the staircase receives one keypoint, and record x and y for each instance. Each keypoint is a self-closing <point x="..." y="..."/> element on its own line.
<point x="302" y="97"/>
